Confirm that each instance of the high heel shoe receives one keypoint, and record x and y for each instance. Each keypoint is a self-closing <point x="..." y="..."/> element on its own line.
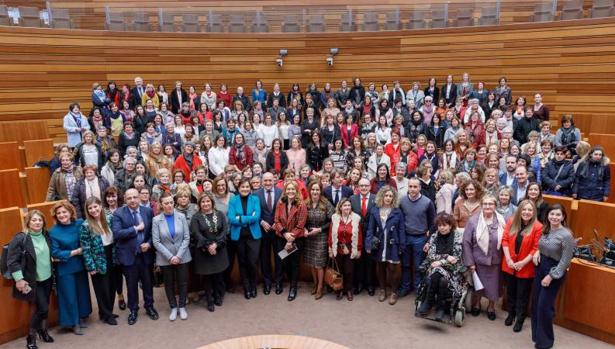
<point x="31" y="341"/>
<point x="43" y="335"/>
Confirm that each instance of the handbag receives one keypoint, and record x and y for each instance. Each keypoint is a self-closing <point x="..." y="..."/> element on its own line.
<point x="4" y="268"/>
<point x="333" y="277"/>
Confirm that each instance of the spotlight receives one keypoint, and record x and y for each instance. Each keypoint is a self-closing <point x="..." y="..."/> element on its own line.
<point x="330" y="61"/>
<point x="283" y="52"/>
<point x="334" y="51"/>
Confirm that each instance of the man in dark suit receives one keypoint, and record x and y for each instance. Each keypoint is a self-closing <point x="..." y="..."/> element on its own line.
<point x="132" y="232"/>
<point x="242" y="98"/>
<point x="365" y="269"/>
<point x="137" y="92"/>
<point x="336" y="191"/>
<point x="519" y="186"/>
<point x="449" y="92"/>
<point x="177" y="97"/>
<point x="508" y="177"/>
<point x="269" y="196"/>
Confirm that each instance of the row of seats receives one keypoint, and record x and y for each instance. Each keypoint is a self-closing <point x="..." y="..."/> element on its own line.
<point x="26" y="16"/>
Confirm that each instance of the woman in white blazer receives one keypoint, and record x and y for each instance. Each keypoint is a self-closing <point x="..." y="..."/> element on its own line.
<point x="171" y="238"/>
<point x="75" y="124"/>
<point x="218" y="156"/>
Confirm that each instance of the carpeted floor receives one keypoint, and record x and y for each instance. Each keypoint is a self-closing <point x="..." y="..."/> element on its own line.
<point x="362" y="324"/>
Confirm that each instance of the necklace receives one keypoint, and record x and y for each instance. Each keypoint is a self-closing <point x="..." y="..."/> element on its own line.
<point x="213" y="224"/>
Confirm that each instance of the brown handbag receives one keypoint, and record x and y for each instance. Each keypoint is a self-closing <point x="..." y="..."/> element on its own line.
<point x="333" y="277"/>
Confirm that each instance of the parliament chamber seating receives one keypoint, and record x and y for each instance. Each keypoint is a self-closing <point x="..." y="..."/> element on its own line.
<point x="569" y="62"/>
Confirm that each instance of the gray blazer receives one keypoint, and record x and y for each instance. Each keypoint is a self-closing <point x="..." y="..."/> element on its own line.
<point x="166" y="246"/>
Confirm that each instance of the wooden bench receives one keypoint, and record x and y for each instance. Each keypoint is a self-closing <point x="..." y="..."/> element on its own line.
<point x="11" y="193"/>
<point x="10" y="156"/>
<point x="37" y="150"/>
<point x="37" y="182"/>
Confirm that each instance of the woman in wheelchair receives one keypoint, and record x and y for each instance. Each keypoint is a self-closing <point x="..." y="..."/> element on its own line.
<point x="443" y="268"/>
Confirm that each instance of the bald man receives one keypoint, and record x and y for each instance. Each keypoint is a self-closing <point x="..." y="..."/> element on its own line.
<point x="132" y="233"/>
<point x="365" y="269"/>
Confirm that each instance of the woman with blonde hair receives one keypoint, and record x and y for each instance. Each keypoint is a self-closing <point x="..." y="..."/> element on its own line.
<point x="519" y="244"/>
<point x="289" y="225"/>
<point x="316" y="233"/>
<point x="96" y="241"/>
<point x="446" y="191"/>
<point x="384" y="241"/>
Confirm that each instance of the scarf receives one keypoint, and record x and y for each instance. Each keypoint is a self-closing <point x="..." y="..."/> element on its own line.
<point x="449" y="160"/>
<point x="150" y="94"/>
<point x="482" y="232"/>
<point x="568" y="135"/>
<point x="240" y="153"/>
<point x="77" y="118"/>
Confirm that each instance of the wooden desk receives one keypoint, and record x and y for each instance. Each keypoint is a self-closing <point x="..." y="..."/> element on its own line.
<point x="587" y="301"/>
<point x="274" y="341"/>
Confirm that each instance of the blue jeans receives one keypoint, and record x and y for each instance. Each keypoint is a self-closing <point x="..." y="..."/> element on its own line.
<point x="413" y="256"/>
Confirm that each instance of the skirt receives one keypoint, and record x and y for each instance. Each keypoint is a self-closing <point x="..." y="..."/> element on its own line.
<point x="316" y="250"/>
<point x="490" y="277"/>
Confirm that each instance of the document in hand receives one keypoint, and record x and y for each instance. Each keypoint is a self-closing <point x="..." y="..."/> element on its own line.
<point x="284" y="253"/>
<point x="478" y="285"/>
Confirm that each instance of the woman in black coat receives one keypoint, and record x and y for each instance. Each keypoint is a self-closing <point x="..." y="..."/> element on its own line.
<point x="29" y="262"/>
<point x="316" y="153"/>
<point x="558" y="176"/>
<point x="270" y="160"/>
<point x="208" y="228"/>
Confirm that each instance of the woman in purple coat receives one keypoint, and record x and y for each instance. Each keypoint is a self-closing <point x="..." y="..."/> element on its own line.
<point x="482" y="254"/>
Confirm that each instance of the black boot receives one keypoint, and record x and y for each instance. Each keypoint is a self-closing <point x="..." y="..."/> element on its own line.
<point x="210" y="303"/>
<point x="427" y="304"/>
<point x="31" y="340"/>
<point x="519" y="324"/>
<point x="510" y="318"/>
<point x="43" y="333"/>
<point x="440" y="311"/>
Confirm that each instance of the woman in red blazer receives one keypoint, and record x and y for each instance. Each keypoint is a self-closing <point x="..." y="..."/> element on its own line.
<point x="240" y="154"/>
<point x="289" y="225"/>
<point x="475" y="130"/>
<point x="349" y="131"/>
<point x="519" y="244"/>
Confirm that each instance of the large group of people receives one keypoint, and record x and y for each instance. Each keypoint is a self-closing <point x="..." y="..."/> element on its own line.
<point x="399" y="189"/>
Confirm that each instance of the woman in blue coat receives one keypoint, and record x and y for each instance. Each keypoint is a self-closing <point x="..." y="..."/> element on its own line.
<point x="72" y="279"/>
<point x="244" y="216"/>
<point x="384" y="242"/>
<point x="592" y="180"/>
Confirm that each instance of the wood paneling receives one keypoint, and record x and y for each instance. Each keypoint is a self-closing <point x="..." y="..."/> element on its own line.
<point x="11" y="193"/>
<point x="570" y="62"/>
<point x="10" y="155"/>
<point x="592" y="215"/>
<point x="15" y="314"/>
<point x="37" y="182"/>
<point x="588" y="300"/>
<point x="37" y="150"/>
<point x="45" y="207"/>
<point x="20" y="131"/>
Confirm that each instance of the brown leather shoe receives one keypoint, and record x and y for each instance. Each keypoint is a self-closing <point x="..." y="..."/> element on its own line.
<point x="382" y="295"/>
<point x="393" y="298"/>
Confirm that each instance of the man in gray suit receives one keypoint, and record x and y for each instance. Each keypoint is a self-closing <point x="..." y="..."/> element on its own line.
<point x="269" y="196"/>
<point x="365" y="269"/>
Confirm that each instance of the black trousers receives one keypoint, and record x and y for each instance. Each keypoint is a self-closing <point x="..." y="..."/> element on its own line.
<point x="116" y="278"/>
<point x="278" y="245"/>
<point x="41" y="299"/>
<point x="438" y="291"/>
<point x="365" y="271"/>
<point x="175" y="275"/>
<point x="346" y="266"/>
<point x="290" y="264"/>
<point x="231" y="249"/>
<point x="518" y="293"/>
<point x="269" y="246"/>
<point x="543" y="304"/>
<point x="139" y="271"/>
<point x="213" y="284"/>
<point x="247" y="255"/>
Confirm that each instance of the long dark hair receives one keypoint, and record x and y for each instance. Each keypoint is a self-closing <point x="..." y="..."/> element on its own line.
<point x="546" y="229"/>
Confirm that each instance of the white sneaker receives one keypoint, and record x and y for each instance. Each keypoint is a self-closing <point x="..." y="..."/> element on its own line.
<point x="173" y="315"/>
<point x="183" y="314"/>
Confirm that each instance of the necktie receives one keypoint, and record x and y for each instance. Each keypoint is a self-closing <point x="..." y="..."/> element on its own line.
<point x="140" y="91"/>
<point x="364" y="205"/>
<point x="135" y="217"/>
<point x="337" y="196"/>
<point x="269" y="200"/>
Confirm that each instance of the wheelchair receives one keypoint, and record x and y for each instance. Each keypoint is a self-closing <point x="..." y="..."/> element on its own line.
<point x="457" y="304"/>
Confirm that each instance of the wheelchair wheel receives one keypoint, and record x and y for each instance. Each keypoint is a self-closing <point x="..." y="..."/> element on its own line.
<point x="459" y="316"/>
<point x="468" y="299"/>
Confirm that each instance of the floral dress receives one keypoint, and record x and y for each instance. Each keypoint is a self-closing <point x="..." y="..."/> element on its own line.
<point x="452" y="273"/>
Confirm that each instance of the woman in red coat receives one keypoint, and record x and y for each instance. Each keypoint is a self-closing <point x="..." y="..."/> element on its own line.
<point x="519" y="244"/>
<point x="240" y="154"/>
<point x="393" y="150"/>
<point x="475" y="130"/>
<point x="289" y="224"/>
<point x="349" y="131"/>
<point x="187" y="162"/>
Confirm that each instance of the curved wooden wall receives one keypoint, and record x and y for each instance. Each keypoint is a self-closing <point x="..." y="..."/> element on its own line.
<point x="572" y="63"/>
